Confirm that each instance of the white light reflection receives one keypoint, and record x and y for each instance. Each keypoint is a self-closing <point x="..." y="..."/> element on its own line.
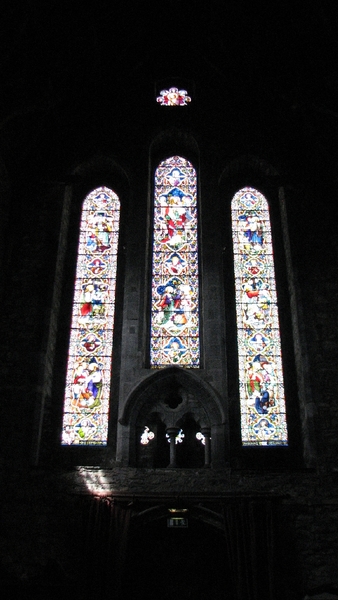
<point x="146" y="436"/>
<point x="178" y="439"/>
<point x="200" y="437"/>
<point x="95" y="480"/>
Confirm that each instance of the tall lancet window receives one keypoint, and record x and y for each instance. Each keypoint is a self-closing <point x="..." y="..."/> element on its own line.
<point x="263" y="418"/>
<point x="174" y="312"/>
<point x="86" y="406"/>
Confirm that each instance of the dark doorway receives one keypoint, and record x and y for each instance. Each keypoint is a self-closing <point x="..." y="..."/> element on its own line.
<point x="177" y="563"/>
<point x="190" y="454"/>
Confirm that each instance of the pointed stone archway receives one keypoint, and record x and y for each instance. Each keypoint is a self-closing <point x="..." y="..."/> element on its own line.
<point x="170" y="401"/>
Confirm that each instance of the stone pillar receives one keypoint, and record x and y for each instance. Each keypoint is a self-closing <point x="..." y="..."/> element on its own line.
<point x="172" y="432"/>
<point x="207" y="447"/>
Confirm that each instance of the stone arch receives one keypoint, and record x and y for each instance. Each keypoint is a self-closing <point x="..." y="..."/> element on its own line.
<point x="210" y="515"/>
<point x="82" y="178"/>
<point x="99" y="170"/>
<point x="249" y="163"/>
<point x="174" y="141"/>
<point x="171" y="397"/>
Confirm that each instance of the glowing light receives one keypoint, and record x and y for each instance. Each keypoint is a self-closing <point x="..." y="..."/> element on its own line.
<point x="178" y="439"/>
<point x="200" y="437"/>
<point x="173" y="97"/>
<point x="146" y="436"/>
<point x="175" y="316"/>
<point x="261" y="381"/>
<point x="86" y="405"/>
<point x="96" y="481"/>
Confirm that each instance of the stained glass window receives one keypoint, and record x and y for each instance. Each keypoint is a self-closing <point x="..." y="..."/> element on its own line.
<point x="86" y="406"/>
<point x="263" y="418"/>
<point x="175" y="318"/>
<point x="173" y="97"/>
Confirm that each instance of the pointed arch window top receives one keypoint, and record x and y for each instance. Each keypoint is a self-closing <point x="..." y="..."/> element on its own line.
<point x="261" y="382"/>
<point x="173" y="97"/>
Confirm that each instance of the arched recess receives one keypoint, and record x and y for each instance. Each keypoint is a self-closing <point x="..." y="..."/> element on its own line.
<point x="210" y="513"/>
<point x="227" y="539"/>
<point x="102" y="172"/>
<point x="253" y="172"/>
<point x="171" y="400"/>
<point x="179" y="562"/>
<point x="95" y="172"/>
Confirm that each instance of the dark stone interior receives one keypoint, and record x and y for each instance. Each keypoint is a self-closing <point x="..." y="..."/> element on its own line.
<point x="79" y="111"/>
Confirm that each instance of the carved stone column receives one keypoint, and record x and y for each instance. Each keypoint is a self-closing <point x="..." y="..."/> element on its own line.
<point x="207" y="447"/>
<point x="172" y="432"/>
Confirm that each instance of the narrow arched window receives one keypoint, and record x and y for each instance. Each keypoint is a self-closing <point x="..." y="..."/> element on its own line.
<point x="261" y="384"/>
<point x="174" y="313"/>
<point x="86" y="405"/>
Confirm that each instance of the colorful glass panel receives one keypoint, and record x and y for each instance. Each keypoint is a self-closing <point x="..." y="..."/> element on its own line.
<point x="261" y="381"/>
<point x="86" y="406"/>
<point x="175" y="318"/>
<point x="173" y="97"/>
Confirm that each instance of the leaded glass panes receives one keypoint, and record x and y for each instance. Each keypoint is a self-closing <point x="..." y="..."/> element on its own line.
<point x="173" y="97"/>
<point x="175" y="317"/>
<point x="263" y="418"/>
<point x="86" y="406"/>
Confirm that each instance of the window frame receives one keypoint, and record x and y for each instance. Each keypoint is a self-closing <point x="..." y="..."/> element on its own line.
<point x="100" y="172"/>
<point x="265" y="457"/>
<point x="88" y="362"/>
<point x="151" y="253"/>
